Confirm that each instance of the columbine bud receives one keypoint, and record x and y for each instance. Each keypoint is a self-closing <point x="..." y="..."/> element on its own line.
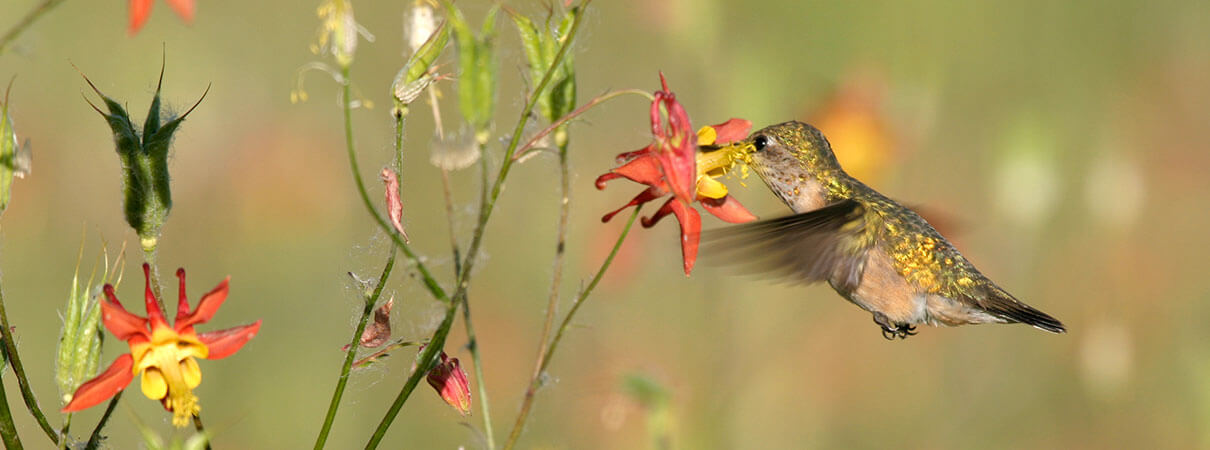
<point x="541" y="46"/>
<point x="144" y="157"/>
<point x="14" y="158"/>
<point x="450" y="381"/>
<point x="477" y="71"/>
<point x="417" y="74"/>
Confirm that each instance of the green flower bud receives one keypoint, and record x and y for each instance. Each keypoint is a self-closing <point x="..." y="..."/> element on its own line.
<point x="144" y="158"/>
<point x="477" y="70"/>
<point x="541" y="46"/>
<point x="416" y="75"/>
<point x="80" y="341"/>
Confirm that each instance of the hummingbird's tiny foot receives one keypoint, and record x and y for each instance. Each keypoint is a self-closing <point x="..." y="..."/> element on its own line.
<point x="892" y="330"/>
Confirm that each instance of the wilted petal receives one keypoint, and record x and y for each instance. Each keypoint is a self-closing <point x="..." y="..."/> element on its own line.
<point x="224" y="343"/>
<point x="378" y="332"/>
<point x="394" y="204"/>
<point x="104" y="386"/>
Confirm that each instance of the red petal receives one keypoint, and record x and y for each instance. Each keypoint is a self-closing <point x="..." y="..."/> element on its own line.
<point x="104" y="386"/>
<point x="122" y="323"/>
<point x="731" y="131"/>
<point x="182" y="303"/>
<point x="676" y="145"/>
<point x="664" y="210"/>
<point x="691" y="233"/>
<point x="206" y="307"/>
<point x="224" y="343"/>
<point x="644" y="169"/>
<point x="139" y="11"/>
<point x="647" y="195"/>
<point x="727" y="208"/>
<point x="154" y="313"/>
<point x="183" y="8"/>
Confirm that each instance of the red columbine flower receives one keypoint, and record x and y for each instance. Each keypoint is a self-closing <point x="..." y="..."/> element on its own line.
<point x="670" y="165"/>
<point x="448" y="378"/>
<point x="140" y="10"/>
<point x="164" y="355"/>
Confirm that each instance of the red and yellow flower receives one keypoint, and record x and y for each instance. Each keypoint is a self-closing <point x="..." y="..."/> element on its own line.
<point x="165" y="356"/>
<point x="674" y="164"/>
<point x="140" y="10"/>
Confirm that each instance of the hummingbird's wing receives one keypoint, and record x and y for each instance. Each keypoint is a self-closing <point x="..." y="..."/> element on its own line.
<point x="829" y="243"/>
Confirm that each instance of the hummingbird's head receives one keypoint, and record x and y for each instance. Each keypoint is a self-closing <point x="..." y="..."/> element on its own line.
<point x="788" y="146"/>
<point x="793" y="158"/>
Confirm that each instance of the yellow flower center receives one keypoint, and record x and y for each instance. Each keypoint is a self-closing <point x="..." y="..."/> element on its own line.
<point x="170" y="371"/>
<point x="716" y="163"/>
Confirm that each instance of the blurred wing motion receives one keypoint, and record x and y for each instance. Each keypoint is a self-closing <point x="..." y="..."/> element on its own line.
<point x="827" y="244"/>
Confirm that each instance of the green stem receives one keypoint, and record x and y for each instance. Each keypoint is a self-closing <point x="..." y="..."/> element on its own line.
<point x="473" y="346"/>
<point x="14" y="360"/>
<point x="544" y="359"/>
<point x="351" y="354"/>
<point x="201" y="429"/>
<point x="30" y="17"/>
<point x="430" y="283"/>
<point x="63" y="432"/>
<point x="8" y="430"/>
<point x="429" y="356"/>
<point x="94" y="439"/>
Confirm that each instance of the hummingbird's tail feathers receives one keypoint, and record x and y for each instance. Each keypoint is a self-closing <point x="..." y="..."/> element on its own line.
<point x="820" y="245"/>
<point x="1003" y="305"/>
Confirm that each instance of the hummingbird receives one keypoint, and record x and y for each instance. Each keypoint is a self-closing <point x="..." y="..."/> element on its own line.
<point x="875" y="252"/>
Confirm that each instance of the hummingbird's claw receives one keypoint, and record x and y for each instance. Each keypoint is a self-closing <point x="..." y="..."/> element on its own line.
<point x="891" y="330"/>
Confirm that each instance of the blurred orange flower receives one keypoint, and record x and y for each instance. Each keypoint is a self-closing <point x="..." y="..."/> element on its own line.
<point x="140" y="10"/>
<point x="164" y="355"/>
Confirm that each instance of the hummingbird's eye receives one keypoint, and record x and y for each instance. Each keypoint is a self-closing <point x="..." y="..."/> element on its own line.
<point x="760" y="142"/>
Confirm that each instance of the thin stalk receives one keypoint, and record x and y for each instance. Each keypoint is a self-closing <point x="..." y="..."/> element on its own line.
<point x="430" y="283"/>
<point x="472" y="342"/>
<point x="14" y="361"/>
<point x="149" y="255"/>
<point x="351" y="354"/>
<point x="201" y="429"/>
<point x="94" y="439"/>
<point x="8" y="430"/>
<point x="524" y="150"/>
<point x="30" y="17"/>
<point x="63" y="432"/>
<point x="445" y="184"/>
<point x="437" y="342"/>
<point x="544" y="359"/>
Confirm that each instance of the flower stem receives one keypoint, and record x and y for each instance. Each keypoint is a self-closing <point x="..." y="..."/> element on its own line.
<point x="149" y="255"/>
<point x="14" y="360"/>
<point x="30" y="17"/>
<point x="201" y="429"/>
<point x="430" y="283"/>
<point x="351" y="354"/>
<point x="473" y="346"/>
<point x="63" y="431"/>
<point x="8" y="430"/>
<point x="544" y="358"/>
<point x="437" y="342"/>
<point x="524" y="150"/>
<point x="94" y="439"/>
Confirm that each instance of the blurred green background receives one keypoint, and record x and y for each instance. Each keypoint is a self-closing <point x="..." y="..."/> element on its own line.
<point x="1060" y="145"/>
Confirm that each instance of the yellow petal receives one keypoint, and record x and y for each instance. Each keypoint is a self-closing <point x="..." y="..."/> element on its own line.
<point x="709" y="187"/>
<point x="706" y="135"/>
<point x="191" y="372"/>
<point x="154" y="386"/>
